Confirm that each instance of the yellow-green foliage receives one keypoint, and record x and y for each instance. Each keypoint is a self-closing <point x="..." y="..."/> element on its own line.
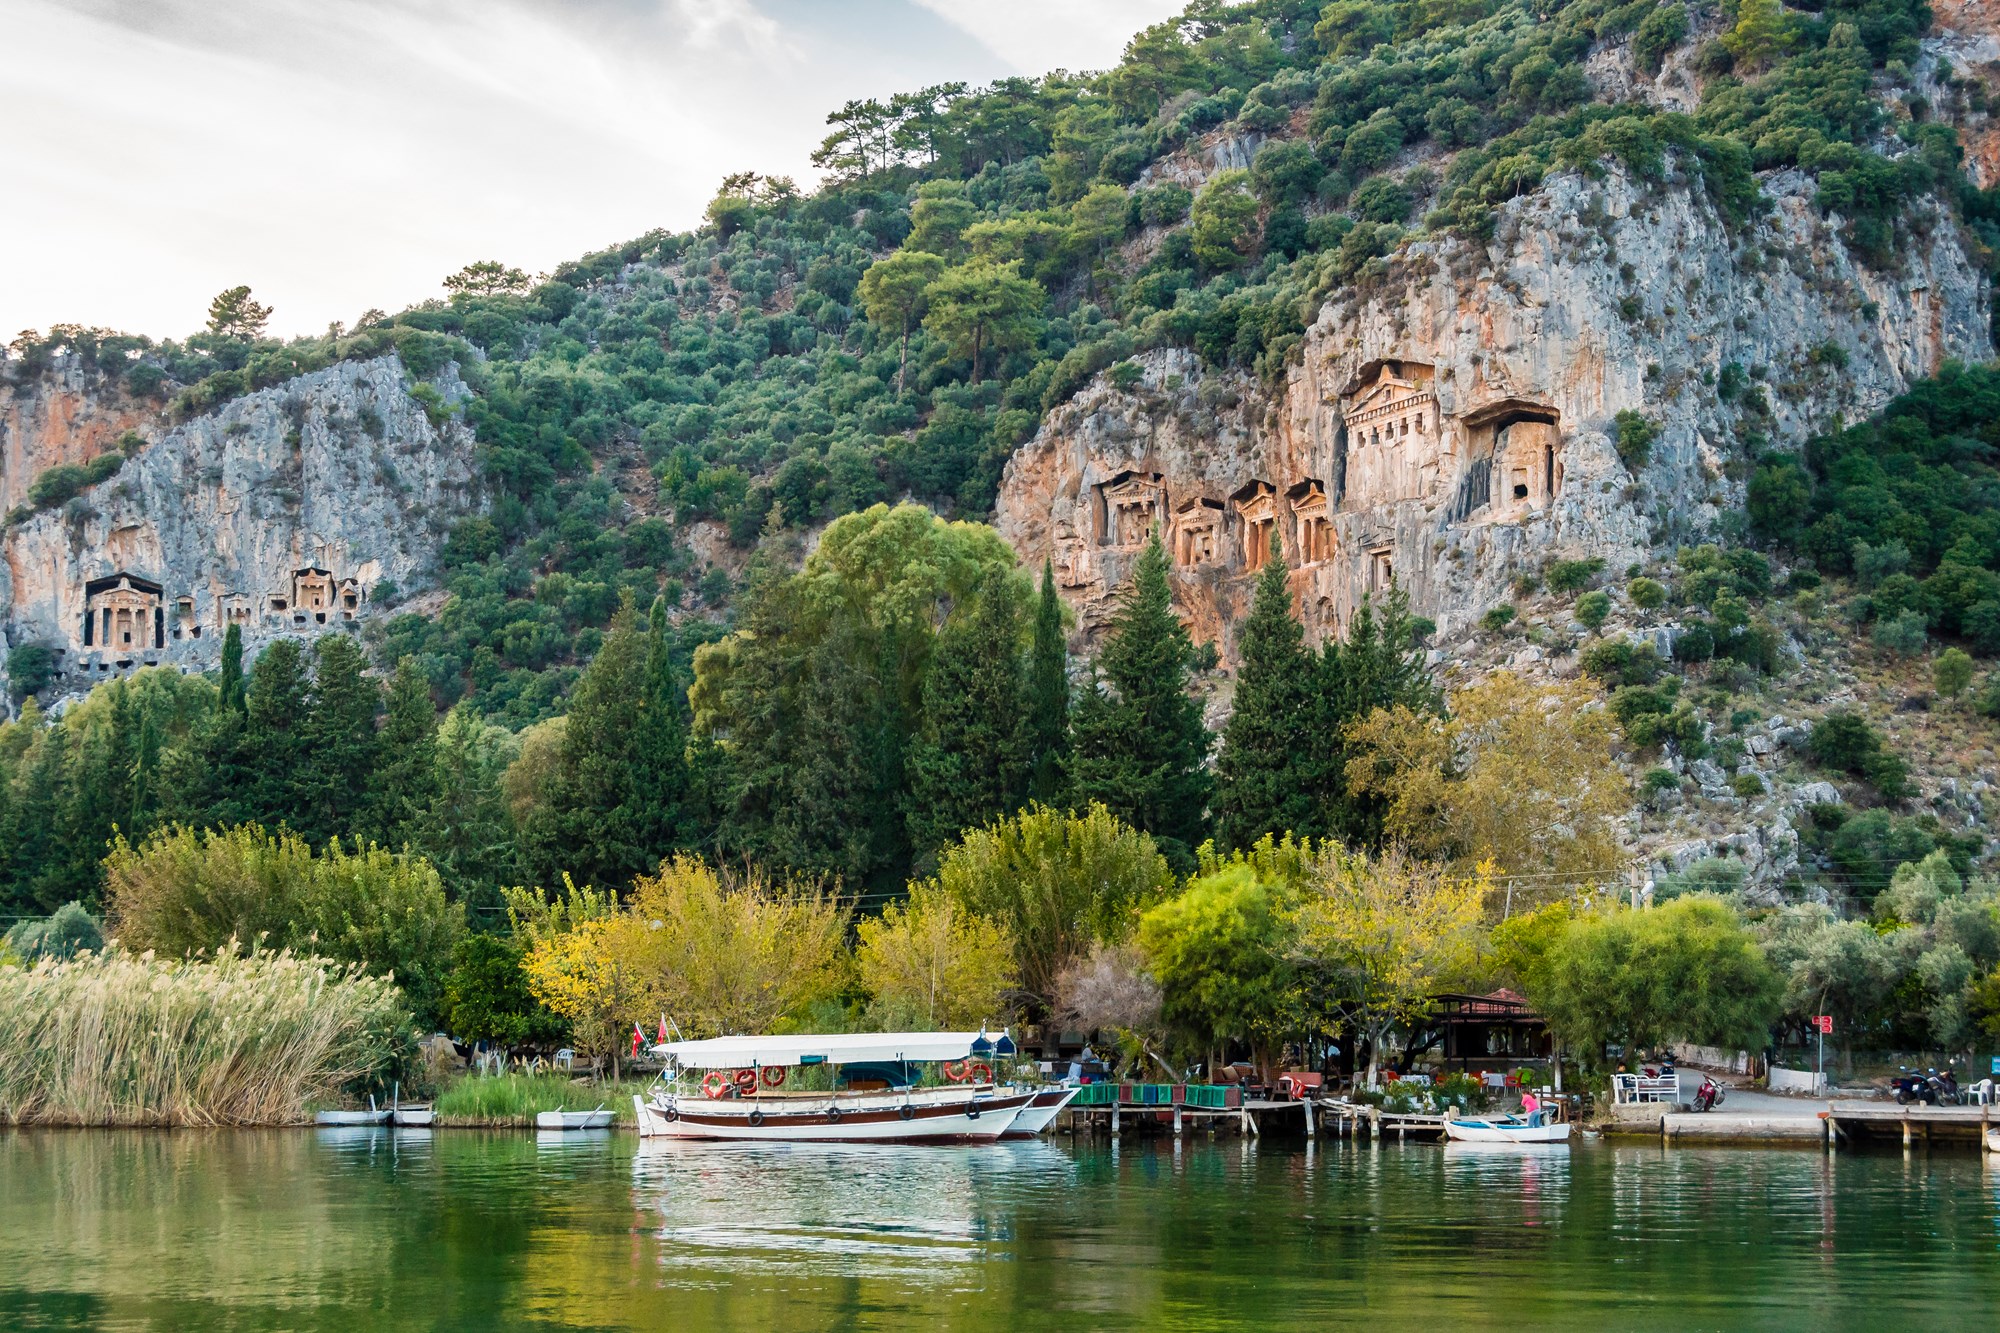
<point x="131" y="1039"/>
<point x="184" y="890"/>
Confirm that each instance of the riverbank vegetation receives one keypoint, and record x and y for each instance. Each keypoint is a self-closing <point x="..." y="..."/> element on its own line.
<point x="231" y="1038"/>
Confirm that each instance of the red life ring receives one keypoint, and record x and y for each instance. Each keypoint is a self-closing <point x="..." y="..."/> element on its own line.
<point x="746" y="1079"/>
<point x="713" y="1084"/>
<point x="955" y="1070"/>
<point x="979" y="1073"/>
<point x="774" y="1076"/>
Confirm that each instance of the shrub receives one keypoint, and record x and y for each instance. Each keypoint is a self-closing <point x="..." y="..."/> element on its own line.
<point x="57" y="485"/>
<point x="1647" y="594"/>
<point x="183" y="891"/>
<point x="1747" y="785"/>
<point x="1843" y="741"/>
<point x="486" y="995"/>
<point x="1572" y="575"/>
<point x="30" y="668"/>
<point x="1634" y="435"/>
<point x="1903" y="633"/>
<point x="1951" y="673"/>
<point x="1622" y="662"/>
<point x="1592" y="609"/>
<point x="1720" y="875"/>
<point x="67" y="932"/>
<point x="1498" y="618"/>
<point x="1660" y="779"/>
<point x="1695" y="643"/>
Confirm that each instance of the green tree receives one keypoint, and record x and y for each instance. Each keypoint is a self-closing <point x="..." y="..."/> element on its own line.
<point x="405" y="780"/>
<point x="1259" y="786"/>
<point x="893" y="293"/>
<point x="233" y="314"/>
<point x="1687" y="971"/>
<point x="1952" y="672"/>
<point x="969" y="764"/>
<point x="662" y="786"/>
<point x="232" y="693"/>
<point x="1059" y="882"/>
<point x="1140" y="747"/>
<point x="978" y="305"/>
<point x="1048" y="692"/>
<point x="338" y="745"/>
<point x="1763" y="32"/>
<point x="278" y="708"/>
<point x="465" y="830"/>
<point x="487" y="277"/>
<point x="1224" y="222"/>
<point x="486" y="995"/>
<point x="1219" y="952"/>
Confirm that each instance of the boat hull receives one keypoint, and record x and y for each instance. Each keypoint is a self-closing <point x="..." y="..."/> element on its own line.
<point x="413" y="1117"/>
<point x="1488" y="1131"/>
<point x="921" y="1119"/>
<point x="574" y="1119"/>
<point x="1039" y="1113"/>
<point x="350" y="1119"/>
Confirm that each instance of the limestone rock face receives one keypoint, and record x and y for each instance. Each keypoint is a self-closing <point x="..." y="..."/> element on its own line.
<point x="284" y="511"/>
<point x="1965" y="38"/>
<point x="1451" y="426"/>
<point x="66" y="414"/>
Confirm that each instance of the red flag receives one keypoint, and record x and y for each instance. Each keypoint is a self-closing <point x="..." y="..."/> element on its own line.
<point x="638" y="1038"/>
<point x="663" y="1029"/>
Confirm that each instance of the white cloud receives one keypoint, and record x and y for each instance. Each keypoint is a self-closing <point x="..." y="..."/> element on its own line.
<point x="340" y="154"/>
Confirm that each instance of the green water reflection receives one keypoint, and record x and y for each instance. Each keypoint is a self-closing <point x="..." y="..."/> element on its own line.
<point x="373" y="1230"/>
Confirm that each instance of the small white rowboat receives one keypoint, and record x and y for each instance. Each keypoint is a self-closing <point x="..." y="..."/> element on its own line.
<point x="1506" y="1129"/>
<point x="1039" y="1113"/>
<point x="597" y="1119"/>
<point x="417" y="1116"/>
<point x="371" y="1116"/>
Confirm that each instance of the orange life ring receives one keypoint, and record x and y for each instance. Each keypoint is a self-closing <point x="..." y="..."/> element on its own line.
<point x="979" y="1073"/>
<point x="713" y="1084"/>
<point x="746" y="1079"/>
<point x="774" y="1076"/>
<point x="955" y="1070"/>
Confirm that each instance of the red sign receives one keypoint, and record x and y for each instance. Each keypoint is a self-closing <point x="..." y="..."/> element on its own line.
<point x="1824" y="1022"/>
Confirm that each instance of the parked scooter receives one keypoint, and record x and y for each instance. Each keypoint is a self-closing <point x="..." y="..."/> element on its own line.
<point x="1912" y="1085"/>
<point x="1943" y="1087"/>
<point x="1709" y="1095"/>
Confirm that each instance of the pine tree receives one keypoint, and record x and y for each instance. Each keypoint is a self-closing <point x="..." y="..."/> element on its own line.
<point x="338" y="742"/>
<point x="41" y="809"/>
<point x="1260" y="786"/>
<point x="405" y="780"/>
<point x="1140" y="745"/>
<point x="660" y="786"/>
<point x="1048" y="693"/>
<point x="969" y="763"/>
<point x="276" y="707"/>
<point x="1380" y="665"/>
<point x="465" y="829"/>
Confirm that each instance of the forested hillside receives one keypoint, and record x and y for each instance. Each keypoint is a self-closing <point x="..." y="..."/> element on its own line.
<point x="667" y="428"/>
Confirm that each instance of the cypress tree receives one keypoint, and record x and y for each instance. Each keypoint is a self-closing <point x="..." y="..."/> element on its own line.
<point x="276" y="707"/>
<point x="1048" y="693"/>
<point x="659" y="762"/>
<point x="42" y="808"/>
<point x="405" y="780"/>
<point x="969" y="764"/>
<point x="465" y="828"/>
<point x="231" y="693"/>
<point x="589" y="828"/>
<point x="1140" y="745"/>
<point x="1261" y="783"/>
<point x="338" y="742"/>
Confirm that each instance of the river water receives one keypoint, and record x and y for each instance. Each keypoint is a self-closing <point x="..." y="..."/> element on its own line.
<point x="457" y="1230"/>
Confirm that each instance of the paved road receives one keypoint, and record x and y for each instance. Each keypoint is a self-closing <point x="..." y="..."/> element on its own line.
<point x="1748" y="1101"/>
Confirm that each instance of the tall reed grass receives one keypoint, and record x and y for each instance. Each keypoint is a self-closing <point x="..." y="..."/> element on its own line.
<point x="117" y="1038"/>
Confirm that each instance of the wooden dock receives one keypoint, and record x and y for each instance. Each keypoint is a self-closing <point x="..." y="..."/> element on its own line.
<point x="1912" y="1126"/>
<point x="1250" y="1117"/>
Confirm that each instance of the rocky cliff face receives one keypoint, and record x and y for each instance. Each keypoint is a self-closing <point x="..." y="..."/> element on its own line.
<point x="1452" y="426"/>
<point x="67" y="414"/>
<point x="287" y="512"/>
<point x="1966" y="40"/>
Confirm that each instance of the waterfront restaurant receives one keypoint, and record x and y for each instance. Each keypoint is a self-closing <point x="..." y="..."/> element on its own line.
<point x="1481" y="1029"/>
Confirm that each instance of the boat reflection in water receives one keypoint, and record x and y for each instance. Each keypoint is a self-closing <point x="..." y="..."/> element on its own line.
<point x="904" y="1212"/>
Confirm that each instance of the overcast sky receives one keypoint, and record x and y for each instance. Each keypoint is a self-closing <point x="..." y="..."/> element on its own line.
<point x="342" y="154"/>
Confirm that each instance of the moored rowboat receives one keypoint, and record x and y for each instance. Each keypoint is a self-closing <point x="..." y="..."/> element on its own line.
<point x="561" y="1119"/>
<point x="1506" y="1129"/>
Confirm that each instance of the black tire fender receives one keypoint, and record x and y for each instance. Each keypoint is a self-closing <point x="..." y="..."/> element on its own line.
<point x="833" y="1115"/>
<point x="756" y="1119"/>
<point x="906" y="1112"/>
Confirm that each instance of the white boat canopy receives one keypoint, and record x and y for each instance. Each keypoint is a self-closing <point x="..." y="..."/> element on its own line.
<point x="844" y="1048"/>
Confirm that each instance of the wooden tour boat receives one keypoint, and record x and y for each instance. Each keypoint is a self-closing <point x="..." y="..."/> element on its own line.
<point x="873" y="1091"/>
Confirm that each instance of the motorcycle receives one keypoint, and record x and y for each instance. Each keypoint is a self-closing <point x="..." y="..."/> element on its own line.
<point x="1912" y="1085"/>
<point x="1944" y="1088"/>
<point x="1708" y="1096"/>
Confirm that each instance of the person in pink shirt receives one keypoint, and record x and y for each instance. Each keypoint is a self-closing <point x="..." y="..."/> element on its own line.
<point x="1531" y="1107"/>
